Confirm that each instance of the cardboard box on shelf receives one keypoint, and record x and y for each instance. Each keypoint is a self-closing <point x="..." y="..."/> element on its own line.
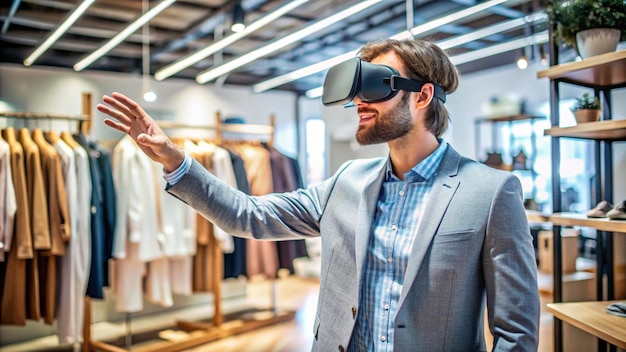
<point x="569" y="250"/>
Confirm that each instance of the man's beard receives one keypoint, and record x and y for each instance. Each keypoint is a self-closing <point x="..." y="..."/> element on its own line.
<point x="392" y="125"/>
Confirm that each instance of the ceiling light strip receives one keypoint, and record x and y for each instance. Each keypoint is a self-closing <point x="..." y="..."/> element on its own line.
<point x="538" y="38"/>
<point x="324" y="65"/>
<point x="193" y="58"/>
<point x="453" y="17"/>
<point x="445" y="44"/>
<point x="491" y="30"/>
<point x="237" y="62"/>
<point x="301" y="73"/>
<point x="121" y="36"/>
<point x="57" y="33"/>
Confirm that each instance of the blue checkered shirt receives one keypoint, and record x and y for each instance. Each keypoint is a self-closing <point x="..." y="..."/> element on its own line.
<point x="400" y="208"/>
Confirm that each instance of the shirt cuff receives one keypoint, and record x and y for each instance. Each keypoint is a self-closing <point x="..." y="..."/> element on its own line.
<point x="173" y="177"/>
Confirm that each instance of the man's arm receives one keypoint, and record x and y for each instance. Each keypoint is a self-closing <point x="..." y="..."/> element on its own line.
<point x="128" y="117"/>
<point x="511" y="272"/>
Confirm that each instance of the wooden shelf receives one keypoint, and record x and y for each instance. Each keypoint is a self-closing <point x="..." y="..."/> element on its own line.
<point x="536" y="216"/>
<point x="576" y="219"/>
<point x="593" y="318"/>
<point x="508" y="118"/>
<point x="604" y="70"/>
<point x="609" y="130"/>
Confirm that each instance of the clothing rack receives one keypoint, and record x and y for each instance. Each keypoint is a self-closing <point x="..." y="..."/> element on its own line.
<point x="84" y="125"/>
<point x="84" y="121"/>
<point x="204" y="332"/>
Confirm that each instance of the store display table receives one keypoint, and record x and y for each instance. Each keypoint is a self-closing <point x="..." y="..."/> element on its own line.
<point x="592" y="318"/>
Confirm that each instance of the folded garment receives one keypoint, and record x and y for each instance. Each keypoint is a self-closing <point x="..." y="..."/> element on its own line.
<point x="617" y="308"/>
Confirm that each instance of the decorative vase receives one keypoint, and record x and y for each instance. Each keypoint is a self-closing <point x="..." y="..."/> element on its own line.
<point x="587" y="115"/>
<point x="596" y="41"/>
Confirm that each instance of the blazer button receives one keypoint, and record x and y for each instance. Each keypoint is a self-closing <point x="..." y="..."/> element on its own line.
<point x="341" y="349"/>
<point x="353" y="312"/>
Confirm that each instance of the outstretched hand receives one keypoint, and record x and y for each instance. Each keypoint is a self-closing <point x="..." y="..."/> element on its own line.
<point x="128" y="117"/>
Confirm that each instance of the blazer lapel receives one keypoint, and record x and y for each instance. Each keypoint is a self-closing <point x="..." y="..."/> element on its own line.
<point x="365" y="213"/>
<point x="444" y="187"/>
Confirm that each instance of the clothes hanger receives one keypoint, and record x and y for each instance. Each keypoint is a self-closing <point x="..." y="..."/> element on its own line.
<point x="9" y="135"/>
<point x="24" y="135"/>
<point x="39" y="138"/>
<point x="52" y="137"/>
<point x="67" y="138"/>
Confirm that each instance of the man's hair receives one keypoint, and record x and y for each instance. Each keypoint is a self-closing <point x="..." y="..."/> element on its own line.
<point x="424" y="61"/>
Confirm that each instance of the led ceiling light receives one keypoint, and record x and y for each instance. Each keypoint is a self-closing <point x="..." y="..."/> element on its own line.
<point x="238" y="19"/>
<point x="539" y="38"/>
<point x="522" y="62"/>
<point x="491" y="30"/>
<point x="149" y="94"/>
<point x="301" y="73"/>
<point x="121" y="36"/>
<point x="193" y="58"/>
<point x="314" y="93"/>
<point x="275" y="45"/>
<point x="324" y="65"/>
<point x="57" y="33"/>
<point x="453" y="17"/>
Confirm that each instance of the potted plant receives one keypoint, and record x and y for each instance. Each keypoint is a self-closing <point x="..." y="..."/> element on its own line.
<point x="592" y="27"/>
<point x="586" y="108"/>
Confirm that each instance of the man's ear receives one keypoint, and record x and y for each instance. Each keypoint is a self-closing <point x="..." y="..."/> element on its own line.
<point x="425" y="96"/>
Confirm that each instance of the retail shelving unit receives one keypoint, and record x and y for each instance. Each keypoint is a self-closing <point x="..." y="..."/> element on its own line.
<point x="602" y="73"/>
<point x="510" y="120"/>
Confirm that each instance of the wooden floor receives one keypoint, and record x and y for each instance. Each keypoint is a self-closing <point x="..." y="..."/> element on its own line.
<point x="292" y="294"/>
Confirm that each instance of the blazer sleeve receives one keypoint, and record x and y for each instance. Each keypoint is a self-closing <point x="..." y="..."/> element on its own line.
<point x="510" y="272"/>
<point x="273" y="216"/>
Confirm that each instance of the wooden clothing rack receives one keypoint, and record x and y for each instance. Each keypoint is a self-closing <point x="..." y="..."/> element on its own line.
<point x="204" y="332"/>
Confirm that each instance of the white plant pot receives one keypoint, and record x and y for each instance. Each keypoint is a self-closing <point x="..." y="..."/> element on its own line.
<point x="596" y="41"/>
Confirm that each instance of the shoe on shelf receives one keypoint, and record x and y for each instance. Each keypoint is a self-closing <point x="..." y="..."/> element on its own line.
<point x="618" y="213"/>
<point x="600" y="210"/>
<point x="520" y="161"/>
<point x="495" y="161"/>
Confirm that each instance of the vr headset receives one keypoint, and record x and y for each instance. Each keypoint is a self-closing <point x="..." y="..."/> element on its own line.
<point x="372" y="83"/>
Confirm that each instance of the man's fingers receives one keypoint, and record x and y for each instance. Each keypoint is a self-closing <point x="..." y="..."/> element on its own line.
<point x="116" y="104"/>
<point x="118" y="126"/>
<point x="114" y="114"/>
<point x="132" y="106"/>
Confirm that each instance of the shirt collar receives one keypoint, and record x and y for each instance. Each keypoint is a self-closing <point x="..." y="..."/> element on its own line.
<point x="425" y="169"/>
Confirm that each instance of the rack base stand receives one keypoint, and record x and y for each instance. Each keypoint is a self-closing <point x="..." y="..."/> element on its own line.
<point x="191" y="334"/>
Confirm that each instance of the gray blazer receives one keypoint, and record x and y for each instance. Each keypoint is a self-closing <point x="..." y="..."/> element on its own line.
<point x="473" y="247"/>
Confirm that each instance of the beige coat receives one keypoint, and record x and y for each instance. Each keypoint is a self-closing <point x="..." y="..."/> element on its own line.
<point x="13" y="308"/>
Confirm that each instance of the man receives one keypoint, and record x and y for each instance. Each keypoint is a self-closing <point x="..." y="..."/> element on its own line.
<point x="413" y="245"/>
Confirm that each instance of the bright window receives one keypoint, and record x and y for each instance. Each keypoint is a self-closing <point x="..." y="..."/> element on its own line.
<point x="316" y="158"/>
